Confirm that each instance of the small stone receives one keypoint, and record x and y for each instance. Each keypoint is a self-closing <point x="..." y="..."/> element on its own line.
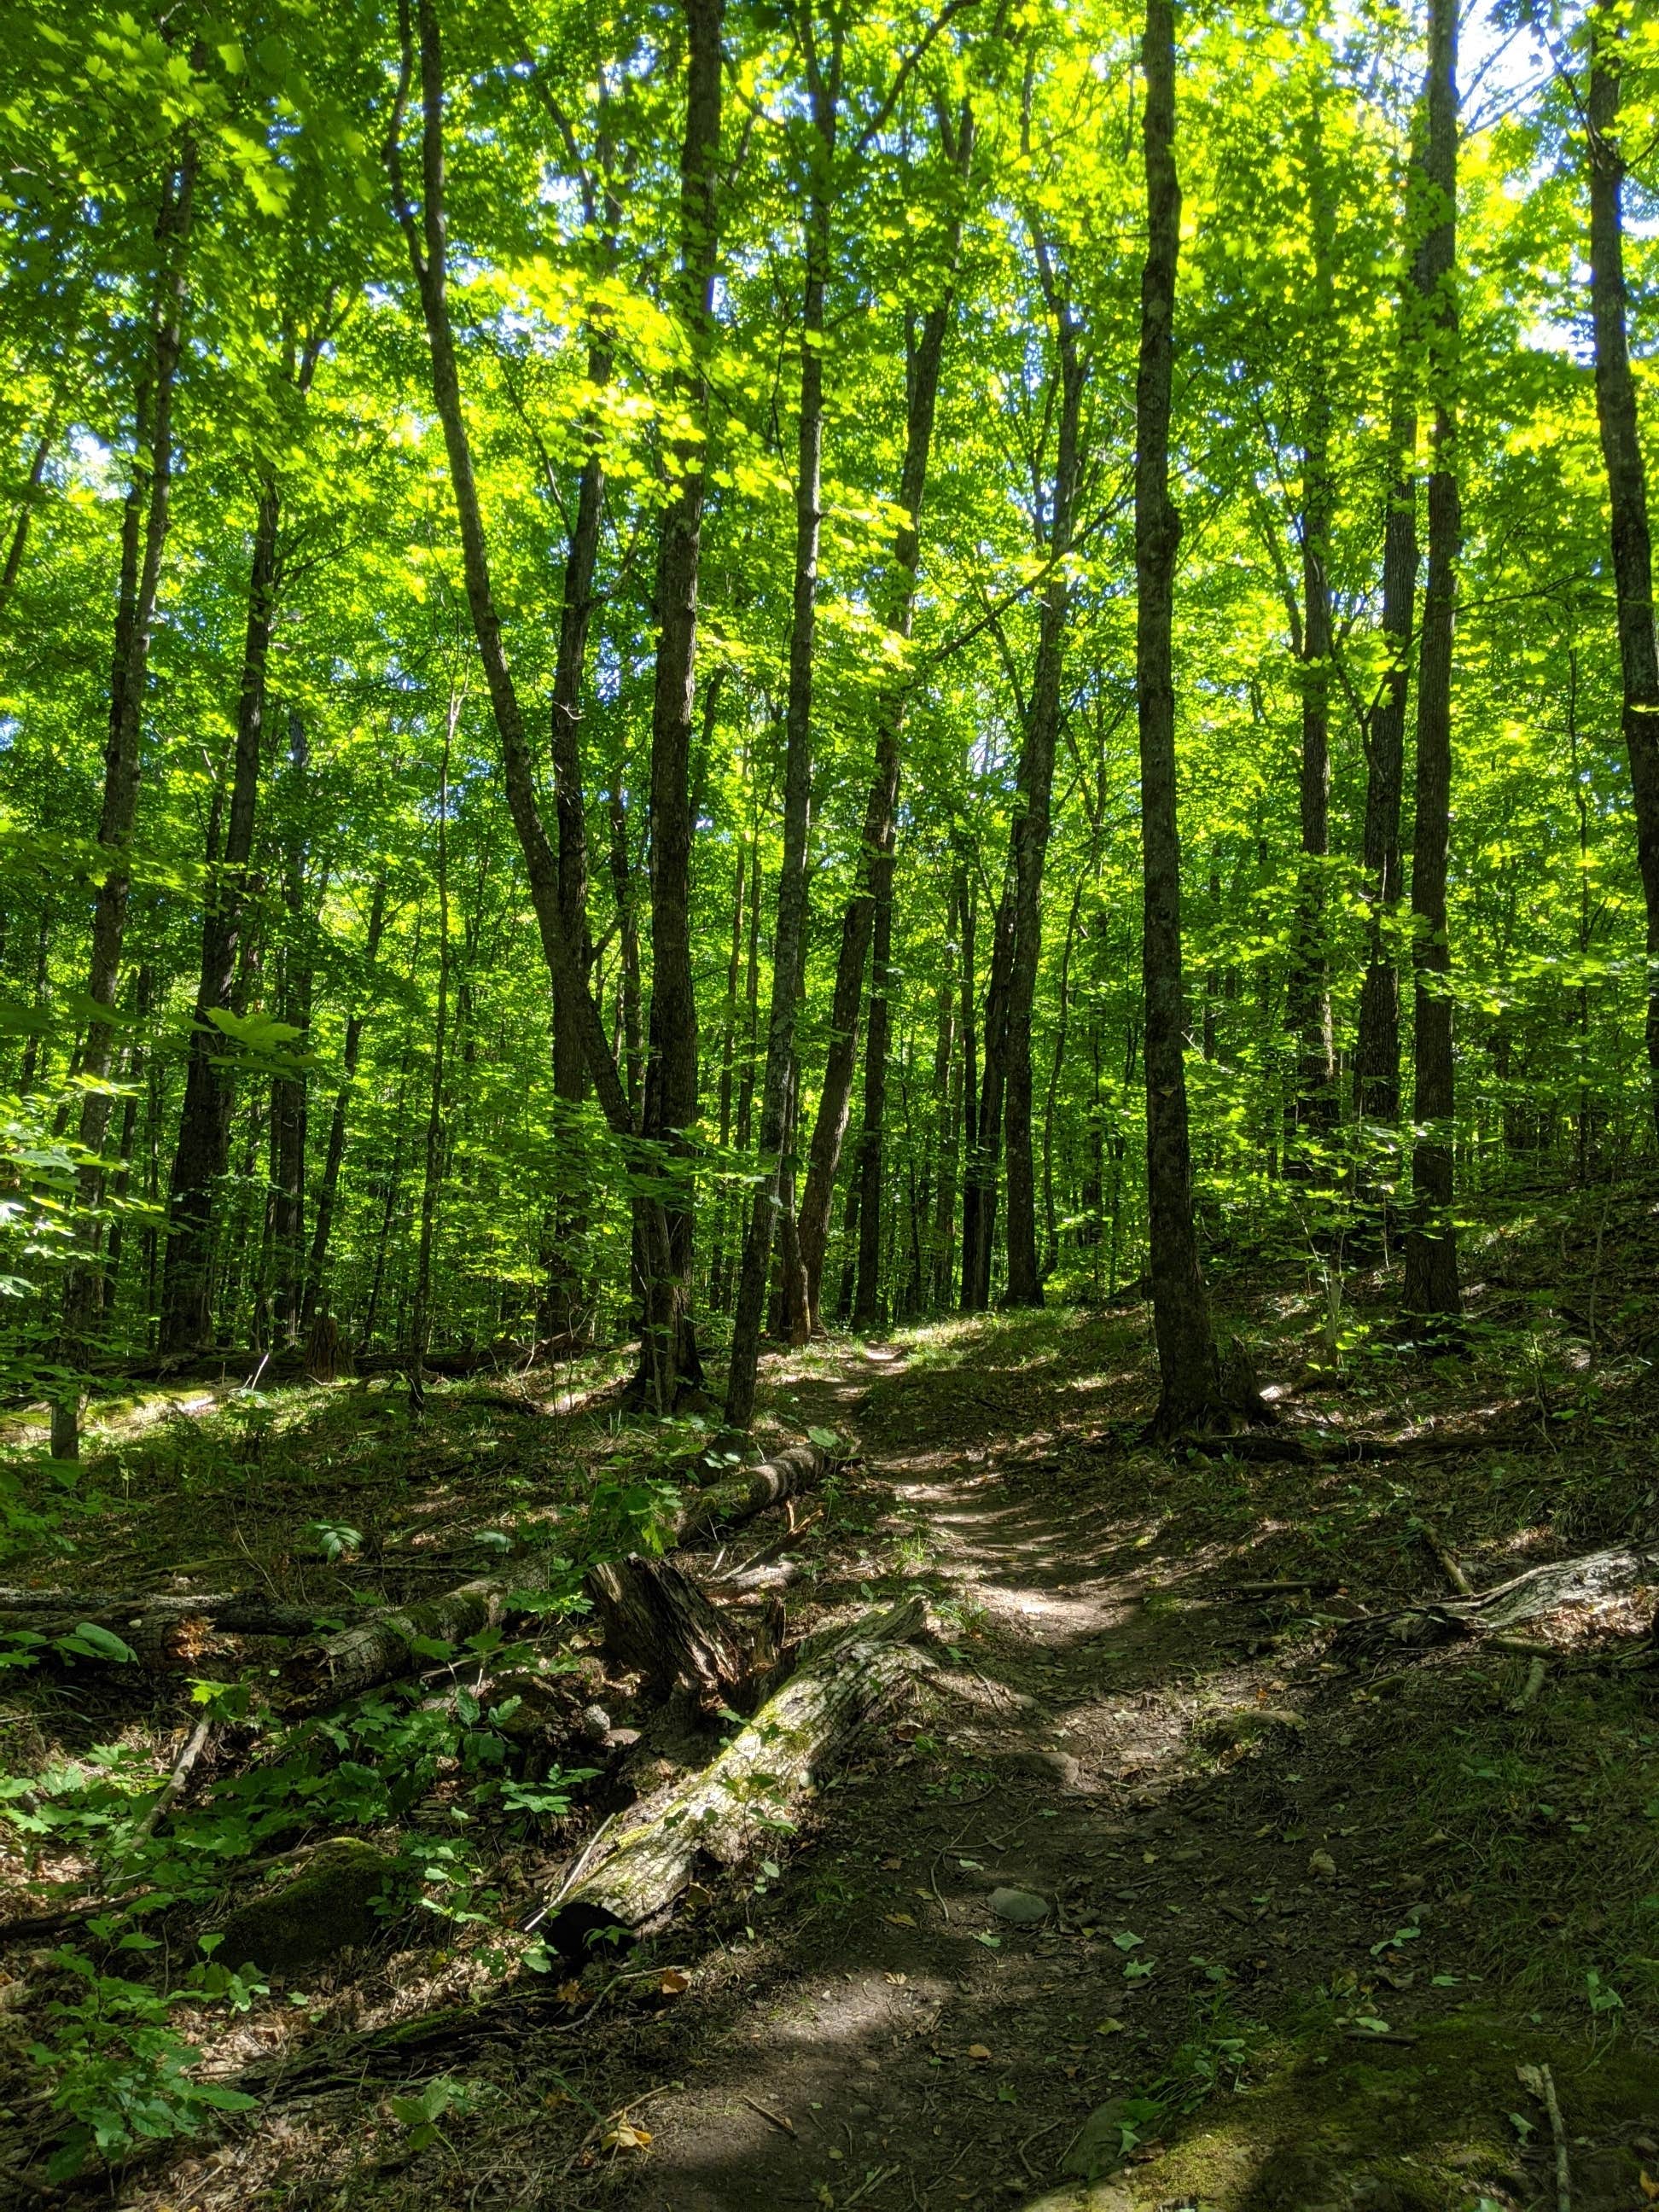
<point x="1021" y="1906"/>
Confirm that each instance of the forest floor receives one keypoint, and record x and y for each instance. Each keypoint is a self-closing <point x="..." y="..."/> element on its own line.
<point x="1297" y="1920"/>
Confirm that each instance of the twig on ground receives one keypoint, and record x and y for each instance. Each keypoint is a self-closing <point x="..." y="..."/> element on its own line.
<point x="611" y="2120"/>
<point x="1448" y="1562"/>
<point x="1534" y="1683"/>
<point x="174" y="1782"/>
<point x="1541" y="2082"/>
<point x="778" y="2119"/>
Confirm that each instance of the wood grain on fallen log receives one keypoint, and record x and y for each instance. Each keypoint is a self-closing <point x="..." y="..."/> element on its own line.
<point x="726" y="1814"/>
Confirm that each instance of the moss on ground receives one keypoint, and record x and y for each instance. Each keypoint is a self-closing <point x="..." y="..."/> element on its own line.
<point x="1424" y="2127"/>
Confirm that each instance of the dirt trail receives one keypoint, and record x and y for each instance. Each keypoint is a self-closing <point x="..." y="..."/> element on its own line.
<point x="1196" y="1817"/>
<point x="924" y="2048"/>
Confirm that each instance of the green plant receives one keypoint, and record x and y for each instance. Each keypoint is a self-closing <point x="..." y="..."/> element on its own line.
<point x="120" y="2070"/>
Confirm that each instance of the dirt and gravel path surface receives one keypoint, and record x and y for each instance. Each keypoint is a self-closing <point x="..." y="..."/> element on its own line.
<point x="1142" y="1845"/>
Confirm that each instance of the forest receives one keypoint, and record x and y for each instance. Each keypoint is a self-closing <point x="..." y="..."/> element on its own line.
<point x="829" y="1105"/>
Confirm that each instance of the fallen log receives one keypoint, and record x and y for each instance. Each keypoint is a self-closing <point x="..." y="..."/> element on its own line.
<point x="1527" y="1596"/>
<point x="739" y="1498"/>
<point x="654" y="1619"/>
<point x="160" y="1632"/>
<point x="727" y="1813"/>
<point x="388" y="1643"/>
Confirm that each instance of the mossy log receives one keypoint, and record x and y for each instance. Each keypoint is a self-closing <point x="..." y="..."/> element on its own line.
<point x="731" y="1810"/>
<point x="1587" y="1580"/>
<point x="384" y="1647"/>
<point x="739" y="1498"/>
<point x="329" y="1907"/>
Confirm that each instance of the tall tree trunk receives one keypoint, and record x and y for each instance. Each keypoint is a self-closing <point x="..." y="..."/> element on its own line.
<point x="328" y="1189"/>
<point x="1621" y="451"/>
<point x="1181" y="1312"/>
<point x="1312" y="1105"/>
<point x="1430" y="1287"/>
<point x="871" y="1163"/>
<point x="979" y="1195"/>
<point x="143" y="533"/>
<point x="202" y="1146"/>
<point x="1033" y="800"/>
<point x="789" y="947"/>
<point x="432" y="1175"/>
<point x="668" y="1357"/>
<point x="925" y="362"/>
<point x="288" y="1089"/>
<point x="1376" y="1052"/>
<point x="426" y="237"/>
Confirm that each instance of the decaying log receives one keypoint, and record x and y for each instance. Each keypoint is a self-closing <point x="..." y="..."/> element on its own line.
<point x="726" y="1814"/>
<point x="384" y="1647"/>
<point x="162" y="1631"/>
<point x="654" y="1619"/>
<point x="739" y="1498"/>
<point x="1540" y="1590"/>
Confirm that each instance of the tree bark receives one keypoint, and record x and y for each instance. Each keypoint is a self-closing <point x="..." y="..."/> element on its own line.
<point x="328" y="1189"/>
<point x="835" y="1097"/>
<point x="20" y="530"/>
<point x="426" y="239"/>
<point x="1313" y="1105"/>
<point x="1033" y="800"/>
<point x="1430" y="1289"/>
<point x="668" y="1353"/>
<point x="788" y="957"/>
<point x="871" y="1163"/>
<point x="289" y="1118"/>
<point x="729" y="1813"/>
<point x="979" y="1195"/>
<point x="143" y="534"/>
<point x="432" y="1173"/>
<point x="1627" y="495"/>
<point x="1180" y="1313"/>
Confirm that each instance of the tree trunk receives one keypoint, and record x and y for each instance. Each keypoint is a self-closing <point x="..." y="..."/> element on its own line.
<point x="427" y="240"/>
<point x="1028" y="837"/>
<point x="1621" y="451"/>
<point x="20" y="531"/>
<point x="1430" y="1288"/>
<point x="789" y="947"/>
<point x="143" y="533"/>
<point x="729" y="1813"/>
<point x="432" y="1175"/>
<point x="198" y="1159"/>
<point x="1180" y="1313"/>
<point x="288" y="1089"/>
<point x="668" y="1353"/>
<point x="979" y="1195"/>
<point x="328" y="1190"/>
<point x="872" y="1165"/>
<point x="1313" y="1105"/>
<point x="835" y="1097"/>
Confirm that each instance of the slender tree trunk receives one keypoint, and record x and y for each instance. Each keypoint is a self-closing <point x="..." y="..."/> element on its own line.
<point x="31" y="499"/>
<point x="789" y="949"/>
<point x="1312" y="1105"/>
<point x="1621" y="451"/>
<point x="202" y="1146"/>
<point x="426" y="238"/>
<point x="835" y="1097"/>
<point x="872" y="1164"/>
<point x="668" y="1359"/>
<point x="328" y="1189"/>
<point x="978" y="1197"/>
<point x="1033" y="800"/>
<point x="432" y="1175"/>
<point x="1430" y="1288"/>
<point x="1062" y="1032"/>
<point x="1180" y="1313"/>
<point x="1376" y="1053"/>
<point x="143" y="534"/>
<point x="288" y="1089"/>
